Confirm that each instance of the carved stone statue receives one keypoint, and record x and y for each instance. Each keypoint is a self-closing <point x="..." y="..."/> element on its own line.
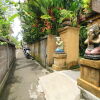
<point x="59" y="45"/>
<point x="93" y="42"/>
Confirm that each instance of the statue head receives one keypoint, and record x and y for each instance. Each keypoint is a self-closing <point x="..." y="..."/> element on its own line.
<point x="58" y="38"/>
<point x="94" y="30"/>
<point x="92" y="33"/>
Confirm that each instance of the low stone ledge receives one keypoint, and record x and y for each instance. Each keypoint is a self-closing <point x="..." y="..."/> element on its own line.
<point x="61" y="30"/>
<point x="58" y="68"/>
<point x="89" y="87"/>
<point x="90" y="63"/>
<point x="59" y="55"/>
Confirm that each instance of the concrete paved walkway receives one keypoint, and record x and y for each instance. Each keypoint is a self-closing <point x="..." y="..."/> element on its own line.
<point x="22" y="83"/>
<point x="29" y="81"/>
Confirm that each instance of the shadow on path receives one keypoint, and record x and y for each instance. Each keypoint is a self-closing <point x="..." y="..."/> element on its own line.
<point x="24" y="73"/>
<point x="11" y="80"/>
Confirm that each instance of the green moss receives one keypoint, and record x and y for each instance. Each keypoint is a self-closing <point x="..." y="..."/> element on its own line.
<point x="37" y="58"/>
<point x="75" y="67"/>
<point x="3" y="43"/>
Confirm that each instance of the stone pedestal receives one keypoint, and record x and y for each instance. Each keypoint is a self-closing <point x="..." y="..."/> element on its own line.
<point x="59" y="61"/>
<point x="90" y="76"/>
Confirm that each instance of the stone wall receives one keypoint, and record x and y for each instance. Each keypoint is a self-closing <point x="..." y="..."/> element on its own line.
<point x="43" y="50"/>
<point x="51" y="46"/>
<point x="3" y="62"/>
<point x="7" y="57"/>
<point x="38" y="50"/>
<point x="96" y="5"/>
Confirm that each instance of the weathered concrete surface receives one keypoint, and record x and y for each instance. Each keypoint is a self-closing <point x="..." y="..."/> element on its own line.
<point x="38" y="50"/>
<point x="87" y="95"/>
<point x="7" y="59"/>
<point x="59" y="86"/>
<point x="22" y="83"/>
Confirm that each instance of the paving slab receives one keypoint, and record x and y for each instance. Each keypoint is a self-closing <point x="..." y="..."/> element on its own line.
<point x="59" y="86"/>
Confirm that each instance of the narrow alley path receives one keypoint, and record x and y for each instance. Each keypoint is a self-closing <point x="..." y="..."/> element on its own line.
<point x="24" y="80"/>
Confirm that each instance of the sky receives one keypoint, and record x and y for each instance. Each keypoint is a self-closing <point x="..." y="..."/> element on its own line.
<point x="16" y="25"/>
<point x="18" y="0"/>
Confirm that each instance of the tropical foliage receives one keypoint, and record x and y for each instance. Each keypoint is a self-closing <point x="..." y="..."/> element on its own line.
<point x="83" y="35"/>
<point x="5" y="20"/>
<point x="42" y="17"/>
<point x="15" y="41"/>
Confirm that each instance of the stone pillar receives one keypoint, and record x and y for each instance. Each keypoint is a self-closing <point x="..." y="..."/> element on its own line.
<point x="70" y="37"/>
<point x="59" y="61"/>
<point x="90" y="76"/>
<point x="51" y="46"/>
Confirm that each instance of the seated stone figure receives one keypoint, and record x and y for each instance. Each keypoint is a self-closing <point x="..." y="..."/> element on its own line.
<point x="59" y="45"/>
<point x="93" y="42"/>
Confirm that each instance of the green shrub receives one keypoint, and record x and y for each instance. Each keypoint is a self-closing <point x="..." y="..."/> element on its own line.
<point x="83" y="36"/>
